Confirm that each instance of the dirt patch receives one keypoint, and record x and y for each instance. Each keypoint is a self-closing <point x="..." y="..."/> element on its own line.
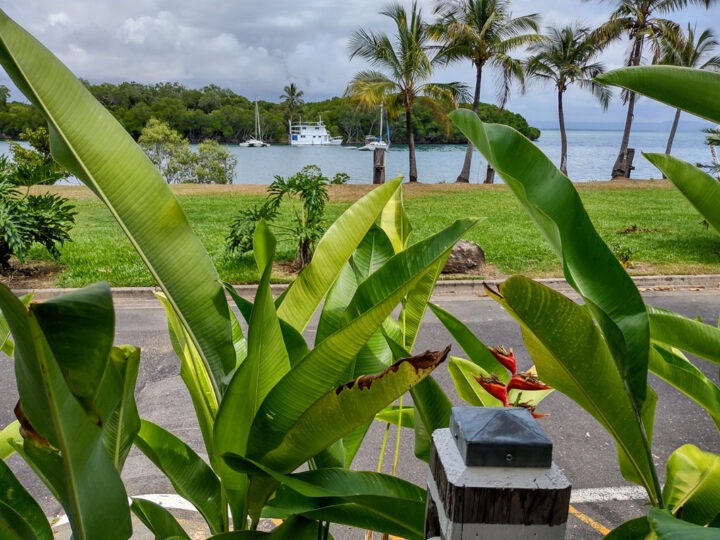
<point x="31" y="275"/>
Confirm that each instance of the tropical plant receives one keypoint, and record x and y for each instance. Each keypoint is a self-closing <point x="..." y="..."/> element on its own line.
<point x="712" y="140"/>
<point x="310" y="186"/>
<point x="484" y="32"/>
<point x="682" y="49"/>
<point x="406" y="63"/>
<point x="35" y="164"/>
<point x="76" y="414"/>
<point x="599" y="353"/>
<point x="292" y="98"/>
<point x="640" y="21"/>
<point x="26" y="219"/>
<point x="268" y="403"/>
<point x="565" y="57"/>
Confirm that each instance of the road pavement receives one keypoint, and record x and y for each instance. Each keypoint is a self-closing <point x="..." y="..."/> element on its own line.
<point x="601" y="498"/>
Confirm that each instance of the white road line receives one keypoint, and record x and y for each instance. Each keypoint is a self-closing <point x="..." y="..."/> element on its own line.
<point x="578" y="496"/>
<point x="596" y="495"/>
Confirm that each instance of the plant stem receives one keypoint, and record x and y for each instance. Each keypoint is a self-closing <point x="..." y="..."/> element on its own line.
<point x="397" y="436"/>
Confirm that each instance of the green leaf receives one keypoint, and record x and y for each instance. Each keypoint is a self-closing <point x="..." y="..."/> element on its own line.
<point x="188" y="473"/>
<point x="468" y="389"/>
<point x="123" y="425"/>
<point x="416" y="302"/>
<point x="89" y="142"/>
<point x="395" y="415"/>
<point x="692" y="90"/>
<point x="572" y="356"/>
<point x="395" y="222"/>
<point x="85" y="481"/>
<point x="7" y="434"/>
<point x="355" y="403"/>
<point x="158" y="520"/>
<point x="328" y="364"/>
<point x="373" y="251"/>
<point x="692" y="489"/>
<point x="194" y="374"/>
<point x="358" y="498"/>
<point x="433" y="407"/>
<point x="6" y="344"/>
<point x="19" y="512"/>
<point x="667" y="527"/>
<point x="695" y="337"/>
<point x="635" y="529"/>
<point x="672" y="367"/>
<point x="698" y="187"/>
<point x="589" y="265"/>
<point x="83" y="356"/>
<point x="335" y="248"/>
<point x="336" y="302"/>
<point x="266" y="363"/>
<point x="476" y="350"/>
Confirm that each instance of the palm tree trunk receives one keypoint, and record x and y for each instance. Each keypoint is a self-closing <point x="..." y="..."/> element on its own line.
<point x="673" y="129"/>
<point x="563" y="135"/>
<point x="464" y="176"/>
<point x="621" y="167"/>
<point x="411" y="142"/>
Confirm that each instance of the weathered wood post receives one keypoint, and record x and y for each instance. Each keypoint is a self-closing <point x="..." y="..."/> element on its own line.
<point x="492" y="476"/>
<point x="379" y="166"/>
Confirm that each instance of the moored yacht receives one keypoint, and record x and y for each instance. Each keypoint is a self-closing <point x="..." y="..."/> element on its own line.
<point x="311" y="133"/>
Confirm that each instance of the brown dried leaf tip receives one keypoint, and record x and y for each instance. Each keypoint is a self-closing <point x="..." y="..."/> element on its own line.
<point x="428" y="360"/>
<point x="26" y="429"/>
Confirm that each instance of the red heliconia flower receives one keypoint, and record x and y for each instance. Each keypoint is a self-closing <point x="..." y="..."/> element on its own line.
<point x="531" y="408"/>
<point x="505" y="357"/>
<point x="494" y="386"/>
<point x="526" y="381"/>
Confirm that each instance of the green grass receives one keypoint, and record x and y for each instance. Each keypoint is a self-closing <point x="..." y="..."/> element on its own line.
<point x="668" y="236"/>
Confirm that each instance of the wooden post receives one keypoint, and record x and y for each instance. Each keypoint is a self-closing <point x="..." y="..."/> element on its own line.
<point x="623" y="164"/>
<point x="379" y="166"/>
<point x="492" y="476"/>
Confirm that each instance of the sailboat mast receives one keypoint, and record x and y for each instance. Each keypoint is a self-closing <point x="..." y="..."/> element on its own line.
<point x="381" y="115"/>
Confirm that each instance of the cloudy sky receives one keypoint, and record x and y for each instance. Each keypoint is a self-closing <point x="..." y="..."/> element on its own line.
<point x="256" y="48"/>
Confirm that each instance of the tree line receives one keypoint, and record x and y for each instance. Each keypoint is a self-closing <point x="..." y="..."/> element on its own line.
<point x="222" y="115"/>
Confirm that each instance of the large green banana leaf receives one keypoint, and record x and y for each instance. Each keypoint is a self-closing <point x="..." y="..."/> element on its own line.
<point x="692" y="90"/>
<point x="692" y="489"/>
<point x="395" y="222"/>
<point x="77" y="467"/>
<point x="191" y="477"/>
<point x="20" y="515"/>
<point x="673" y="330"/>
<point x="337" y="245"/>
<point x="89" y="142"/>
<point x="344" y="408"/>
<point x="266" y="363"/>
<point x="588" y="264"/>
<point x="572" y="356"/>
<point x="327" y="365"/>
<point x="357" y="498"/>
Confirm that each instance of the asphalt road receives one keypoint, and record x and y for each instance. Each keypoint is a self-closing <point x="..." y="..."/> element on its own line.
<point x="582" y="449"/>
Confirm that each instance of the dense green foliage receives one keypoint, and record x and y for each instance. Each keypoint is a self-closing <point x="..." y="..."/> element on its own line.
<point x="26" y="219"/>
<point x="220" y="114"/>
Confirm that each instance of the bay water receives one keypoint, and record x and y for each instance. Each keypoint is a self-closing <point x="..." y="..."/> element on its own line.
<point x="591" y="155"/>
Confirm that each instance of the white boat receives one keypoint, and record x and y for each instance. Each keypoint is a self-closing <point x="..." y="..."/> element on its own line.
<point x="372" y="142"/>
<point x="310" y="134"/>
<point x="255" y="142"/>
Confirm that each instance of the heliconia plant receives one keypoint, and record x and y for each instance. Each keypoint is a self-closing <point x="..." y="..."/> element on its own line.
<point x="599" y="353"/>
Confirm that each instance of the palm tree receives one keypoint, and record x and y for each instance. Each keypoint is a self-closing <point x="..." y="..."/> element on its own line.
<point x="484" y="32"/>
<point x="680" y="49"/>
<point x="406" y="62"/>
<point x="292" y="98"/>
<point x="637" y="19"/>
<point x="564" y="57"/>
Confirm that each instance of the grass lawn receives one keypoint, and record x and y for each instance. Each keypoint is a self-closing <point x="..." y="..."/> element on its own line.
<point x="647" y="222"/>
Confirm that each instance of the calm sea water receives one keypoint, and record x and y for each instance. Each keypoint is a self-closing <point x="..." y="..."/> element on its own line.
<point x="591" y="155"/>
